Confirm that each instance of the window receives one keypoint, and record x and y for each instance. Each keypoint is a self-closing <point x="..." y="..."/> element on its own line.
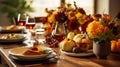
<point x="87" y="5"/>
<point x="40" y="5"/>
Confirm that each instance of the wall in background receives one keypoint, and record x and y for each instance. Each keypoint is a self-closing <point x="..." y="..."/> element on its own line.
<point x="102" y="6"/>
<point x="114" y="7"/>
<point x="107" y="6"/>
<point x="3" y="20"/>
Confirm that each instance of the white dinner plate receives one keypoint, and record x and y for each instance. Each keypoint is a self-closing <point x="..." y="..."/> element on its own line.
<point x="17" y="53"/>
<point x="20" y="38"/>
<point x="83" y="54"/>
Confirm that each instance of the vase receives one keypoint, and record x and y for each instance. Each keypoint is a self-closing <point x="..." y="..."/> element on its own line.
<point x="59" y="31"/>
<point x="101" y="49"/>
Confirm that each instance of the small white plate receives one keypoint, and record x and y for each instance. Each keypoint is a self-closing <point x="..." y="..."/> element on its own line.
<point x="83" y="54"/>
<point x="17" y="53"/>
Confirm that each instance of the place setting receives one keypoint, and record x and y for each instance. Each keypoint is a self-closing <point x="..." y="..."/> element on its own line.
<point x="36" y="52"/>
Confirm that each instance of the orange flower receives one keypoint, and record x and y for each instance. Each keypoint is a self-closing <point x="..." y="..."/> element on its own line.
<point x="98" y="31"/>
<point x="105" y="29"/>
<point x="94" y="29"/>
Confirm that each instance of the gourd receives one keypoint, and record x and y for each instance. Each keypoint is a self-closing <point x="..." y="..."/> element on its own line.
<point x="67" y="45"/>
<point x="71" y="35"/>
<point x="115" y="46"/>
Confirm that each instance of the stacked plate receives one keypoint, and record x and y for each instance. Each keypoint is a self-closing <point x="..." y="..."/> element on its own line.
<point x="11" y="29"/>
<point x="17" y="54"/>
<point x="11" y="38"/>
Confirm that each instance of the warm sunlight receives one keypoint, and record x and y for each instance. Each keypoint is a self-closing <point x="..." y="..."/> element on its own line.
<point x="40" y="5"/>
<point x="88" y="5"/>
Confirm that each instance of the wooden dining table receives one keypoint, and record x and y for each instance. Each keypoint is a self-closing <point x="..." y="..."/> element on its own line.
<point x="113" y="60"/>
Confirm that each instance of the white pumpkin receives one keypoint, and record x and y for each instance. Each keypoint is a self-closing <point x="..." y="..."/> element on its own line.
<point x="71" y="35"/>
<point x="77" y="38"/>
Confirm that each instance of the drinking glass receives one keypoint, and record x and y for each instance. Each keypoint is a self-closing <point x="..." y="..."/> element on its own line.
<point x="39" y="27"/>
<point x="30" y="23"/>
<point x="21" y="20"/>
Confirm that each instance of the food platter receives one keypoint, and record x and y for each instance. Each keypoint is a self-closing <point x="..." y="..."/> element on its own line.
<point x="82" y="54"/>
<point x="13" y="38"/>
<point x="11" y="29"/>
<point x="17" y="54"/>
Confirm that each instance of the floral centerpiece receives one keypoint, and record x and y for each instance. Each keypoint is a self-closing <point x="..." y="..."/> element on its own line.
<point x="74" y="19"/>
<point x="71" y="17"/>
<point x="101" y="31"/>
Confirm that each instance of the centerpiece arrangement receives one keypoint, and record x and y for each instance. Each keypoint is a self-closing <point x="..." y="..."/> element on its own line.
<point x="64" y="20"/>
<point x="75" y="31"/>
<point x="102" y="31"/>
<point x="98" y="32"/>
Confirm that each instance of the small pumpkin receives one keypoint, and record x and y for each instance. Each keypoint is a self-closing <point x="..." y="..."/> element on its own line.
<point x="67" y="45"/>
<point x="115" y="46"/>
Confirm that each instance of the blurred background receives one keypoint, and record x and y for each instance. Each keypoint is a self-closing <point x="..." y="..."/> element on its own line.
<point x="36" y="8"/>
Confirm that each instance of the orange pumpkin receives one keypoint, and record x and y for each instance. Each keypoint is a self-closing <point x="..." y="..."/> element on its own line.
<point x="115" y="46"/>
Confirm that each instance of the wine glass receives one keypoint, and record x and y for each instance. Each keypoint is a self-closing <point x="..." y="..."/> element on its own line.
<point x="21" y="20"/>
<point x="30" y="24"/>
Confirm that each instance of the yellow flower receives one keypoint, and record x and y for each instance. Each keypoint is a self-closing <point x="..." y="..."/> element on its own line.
<point x="78" y="15"/>
<point x="51" y="18"/>
<point x="81" y="18"/>
<point x="95" y="29"/>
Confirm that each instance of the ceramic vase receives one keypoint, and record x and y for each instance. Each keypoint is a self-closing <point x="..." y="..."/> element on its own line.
<point x="101" y="49"/>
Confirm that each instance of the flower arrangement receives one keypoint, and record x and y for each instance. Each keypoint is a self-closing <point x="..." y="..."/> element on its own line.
<point x="101" y="29"/>
<point x="72" y="17"/>
<point x="98" y="27"/>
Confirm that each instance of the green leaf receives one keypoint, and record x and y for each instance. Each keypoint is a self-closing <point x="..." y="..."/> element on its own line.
<point x="13" y="7"/>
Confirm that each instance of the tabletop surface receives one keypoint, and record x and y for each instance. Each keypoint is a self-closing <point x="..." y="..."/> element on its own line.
<point x="91" y="61"/>
<point x="113" y="59"/>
